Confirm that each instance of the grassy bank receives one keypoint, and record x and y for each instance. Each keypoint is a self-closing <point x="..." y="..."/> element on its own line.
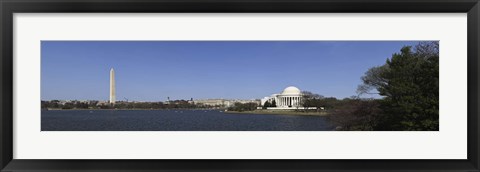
<point x="269" y="112"/>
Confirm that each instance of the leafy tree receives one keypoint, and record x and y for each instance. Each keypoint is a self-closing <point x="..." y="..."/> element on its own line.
<point x="310" y="99"/>
<point x="267" y="104"/>
<point x="243" y="107"/>
<point x="409" y="83"/>
<point x="373" y="79"/>
<point x="68" y="106"/>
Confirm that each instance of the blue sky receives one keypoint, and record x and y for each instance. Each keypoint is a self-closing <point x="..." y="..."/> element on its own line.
<point x="155" y="70"/>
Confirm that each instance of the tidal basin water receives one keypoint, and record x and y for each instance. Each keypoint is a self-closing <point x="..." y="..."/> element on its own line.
<point x="176" y="120"/>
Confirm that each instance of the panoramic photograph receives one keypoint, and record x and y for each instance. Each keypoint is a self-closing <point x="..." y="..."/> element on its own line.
<point x="240" y="85"/>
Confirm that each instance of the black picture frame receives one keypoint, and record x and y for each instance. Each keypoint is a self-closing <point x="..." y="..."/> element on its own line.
<point x="9" y="7"/>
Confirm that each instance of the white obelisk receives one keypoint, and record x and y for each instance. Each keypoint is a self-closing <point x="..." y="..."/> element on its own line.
<point x="112" y="86"/>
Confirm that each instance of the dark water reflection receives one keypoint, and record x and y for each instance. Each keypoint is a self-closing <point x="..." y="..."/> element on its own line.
<point x="176" y="120"/>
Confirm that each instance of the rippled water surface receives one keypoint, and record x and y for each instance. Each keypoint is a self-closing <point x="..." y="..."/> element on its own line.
<point x="176" y="120"/>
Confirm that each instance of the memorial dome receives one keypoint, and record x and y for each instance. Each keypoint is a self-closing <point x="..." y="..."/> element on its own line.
<point x="291" y="91"/>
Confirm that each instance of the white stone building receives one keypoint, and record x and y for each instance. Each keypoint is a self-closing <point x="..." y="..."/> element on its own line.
<point x="291" y="97"/>
<point x="223" y="102"/>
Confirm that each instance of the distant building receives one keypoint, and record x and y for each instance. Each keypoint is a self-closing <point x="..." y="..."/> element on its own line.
<point x="222" y="102"/>
<point x="211" y="102"/>
<point x="102" y="103"/>
<point x="290" y="98"/>
<point x="256" y="101"/>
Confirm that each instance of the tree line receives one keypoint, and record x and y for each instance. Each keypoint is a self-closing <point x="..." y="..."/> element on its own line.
<point x="175" y="104"/>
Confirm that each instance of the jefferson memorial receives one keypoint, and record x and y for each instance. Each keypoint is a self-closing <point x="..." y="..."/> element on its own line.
<point x="290" y="98"/>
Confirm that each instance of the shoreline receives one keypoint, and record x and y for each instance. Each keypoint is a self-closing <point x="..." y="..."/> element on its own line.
<point x="255" y="112"/>
<point x="294" y="113"/>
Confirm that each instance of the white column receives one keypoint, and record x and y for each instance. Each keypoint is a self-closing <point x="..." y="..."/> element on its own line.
<point x="112" y="86"/>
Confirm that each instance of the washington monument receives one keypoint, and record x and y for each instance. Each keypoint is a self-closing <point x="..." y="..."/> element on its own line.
<point x="112" y="86"/>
